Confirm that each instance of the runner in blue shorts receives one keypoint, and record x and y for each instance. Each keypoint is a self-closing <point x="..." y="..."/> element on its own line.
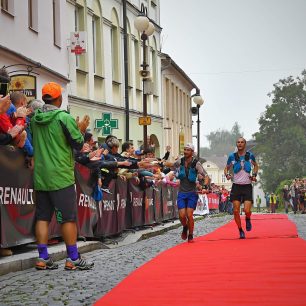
<point x="190" y="170"/>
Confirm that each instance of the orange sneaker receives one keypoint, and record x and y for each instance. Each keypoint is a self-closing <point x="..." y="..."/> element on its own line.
<point x="44" y="264"/>
<point x="80" y="264"/>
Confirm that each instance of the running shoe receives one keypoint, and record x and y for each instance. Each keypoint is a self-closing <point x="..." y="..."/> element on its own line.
<point x="190" y="238"/>
<point x="184" y="232"/>
<point x="242" y="235"/>
<point x="44" y="264"/>
<point x="248" y="224"/>
<point x="80" y="264"/>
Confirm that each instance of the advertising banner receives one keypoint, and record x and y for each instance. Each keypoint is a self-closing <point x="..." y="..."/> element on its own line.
<point x="149" y="206"/>
<point x="107" y="213"/>
<point x="16" y="199"/>
<point x="167" y="202"/>
<point x="202" y="206"/>
<point x="121" y="188"/>
<point x="87" y="206"/>
<point x="213" y="201"/>
<point x="174" y="199"/>
<point x="136" y="199"/>
<point x="158" y="209"/>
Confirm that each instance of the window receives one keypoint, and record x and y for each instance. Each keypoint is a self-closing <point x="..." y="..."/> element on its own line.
<point x="115" y="60"/>
<point x="30" y="9"/>
<point x="56" y="23"/>
<point x="223" y="178"/>
<point x="137" y="63"/>
<point x="79" y="25"/>
<point x="115" y="47"/>
<point x="97" y="35"/>
<point x="33" y="14"/>
<point x="8" y="6"/>
<point x="4" y="5"/>
<point x="94" y="44"/>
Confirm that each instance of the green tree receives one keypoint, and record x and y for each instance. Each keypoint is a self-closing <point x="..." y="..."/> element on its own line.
<point x="281" y="140"/>
<point x="221" y="142"/>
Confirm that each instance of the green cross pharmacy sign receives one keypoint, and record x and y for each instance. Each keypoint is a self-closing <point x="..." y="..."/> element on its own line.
<point x="106" y="123"/>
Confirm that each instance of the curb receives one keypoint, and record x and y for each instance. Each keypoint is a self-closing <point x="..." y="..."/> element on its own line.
<point x="23" y="261"/>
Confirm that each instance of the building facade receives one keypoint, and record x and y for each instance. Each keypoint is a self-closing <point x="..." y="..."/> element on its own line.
<point x="33" y="45"/>
<point x="36" y="47"/>
<point x="176" y="92"/>
<point x="214" y="167"/>
<point x="97" y="76"/>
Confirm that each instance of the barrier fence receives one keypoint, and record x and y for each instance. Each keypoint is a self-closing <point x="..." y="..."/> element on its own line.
<point x="127" y="207"/>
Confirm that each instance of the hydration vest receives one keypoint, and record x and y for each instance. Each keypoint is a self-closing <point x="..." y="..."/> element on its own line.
<point x="192" y="171"/>
<point x="247" y="167"/>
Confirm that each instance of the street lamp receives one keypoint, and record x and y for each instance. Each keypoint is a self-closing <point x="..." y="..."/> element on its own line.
<point x="198" y="100"/>
<point x="143" y="24"/>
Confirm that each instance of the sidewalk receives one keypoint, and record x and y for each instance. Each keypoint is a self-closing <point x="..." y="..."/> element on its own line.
<point x="25" y="256"/>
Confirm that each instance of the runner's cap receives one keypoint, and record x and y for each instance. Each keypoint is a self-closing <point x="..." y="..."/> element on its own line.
<point x="189" y="146"/>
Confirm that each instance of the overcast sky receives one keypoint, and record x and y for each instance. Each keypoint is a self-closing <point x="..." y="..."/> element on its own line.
<point x="235" y="50"/>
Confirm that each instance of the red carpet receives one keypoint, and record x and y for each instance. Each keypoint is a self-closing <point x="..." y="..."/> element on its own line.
<point x="267" y="268"/>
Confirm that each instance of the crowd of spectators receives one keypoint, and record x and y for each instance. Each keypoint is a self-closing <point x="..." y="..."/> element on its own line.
<point x="292" y="196"/>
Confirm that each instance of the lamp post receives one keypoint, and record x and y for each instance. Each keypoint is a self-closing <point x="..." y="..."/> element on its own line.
<point x="198" y="100"/>
<point x="146" y="28"/>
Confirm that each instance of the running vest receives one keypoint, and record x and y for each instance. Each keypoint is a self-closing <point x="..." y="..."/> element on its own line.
<point x="247" y="167"/>
<point x="192" y="171"/>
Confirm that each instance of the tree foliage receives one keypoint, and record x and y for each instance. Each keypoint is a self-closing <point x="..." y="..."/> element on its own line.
<point x="281" y="140"/>
<point x="221" y="142"/>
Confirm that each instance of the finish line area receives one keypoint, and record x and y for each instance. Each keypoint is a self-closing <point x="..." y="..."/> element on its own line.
<point x="266" y="268"/>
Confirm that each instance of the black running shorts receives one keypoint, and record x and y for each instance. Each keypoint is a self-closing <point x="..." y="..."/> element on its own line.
<point x="241" y="193"/>
<point x="62" y="202"/>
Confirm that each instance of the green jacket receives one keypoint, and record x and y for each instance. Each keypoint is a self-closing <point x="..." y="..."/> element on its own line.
<point x="55" y="135"/>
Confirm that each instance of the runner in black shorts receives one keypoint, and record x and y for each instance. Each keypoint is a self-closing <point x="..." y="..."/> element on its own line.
<point x="242" y="163"/>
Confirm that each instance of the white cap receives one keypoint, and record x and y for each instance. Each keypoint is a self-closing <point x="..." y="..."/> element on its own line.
<point x="189" y="146"/>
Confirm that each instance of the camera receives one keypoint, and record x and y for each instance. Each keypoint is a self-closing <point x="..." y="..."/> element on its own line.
<point x="4" y="89"/>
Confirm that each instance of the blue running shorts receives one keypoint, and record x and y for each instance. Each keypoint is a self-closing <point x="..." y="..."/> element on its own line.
<point x="187" y="200"/>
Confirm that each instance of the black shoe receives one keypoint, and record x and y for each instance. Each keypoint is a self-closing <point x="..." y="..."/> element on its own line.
<point x="242" y="235"/>
<point x="190" y="238"/>
<point x="184" y="232"/>
<point x="248" y="224"/>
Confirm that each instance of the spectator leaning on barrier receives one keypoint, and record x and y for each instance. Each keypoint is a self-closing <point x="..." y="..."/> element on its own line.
<point x="7" y="137"/>
<point x="55" y="134"/>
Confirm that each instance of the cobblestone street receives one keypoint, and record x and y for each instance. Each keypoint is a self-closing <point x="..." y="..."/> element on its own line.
<point x="60" y="287"/>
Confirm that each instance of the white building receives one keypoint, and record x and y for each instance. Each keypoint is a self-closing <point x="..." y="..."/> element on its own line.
<point x="97" y="76"/>
<point x="176" y="88"/>
<point x="214" y="167"/>
<point x="33" y="32"/>
<point x="35" y="46"/>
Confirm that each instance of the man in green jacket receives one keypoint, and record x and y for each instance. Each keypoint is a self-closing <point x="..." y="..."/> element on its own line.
<point x="55" y="135"/>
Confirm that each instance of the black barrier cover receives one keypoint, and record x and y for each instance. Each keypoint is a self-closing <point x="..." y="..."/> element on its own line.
<point x="149" y="206"/>
<point x="167" y="202"/>
<point x="136" y="202"/>
<point x="121" y="188"/>
<point x="128" y="206"/>
<point x="87" y="206"/>
<point x="16" y="199"/>
<point x="174" y="199"/>
<point x="107" y="221"/>
<point x="158" y="205"/>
